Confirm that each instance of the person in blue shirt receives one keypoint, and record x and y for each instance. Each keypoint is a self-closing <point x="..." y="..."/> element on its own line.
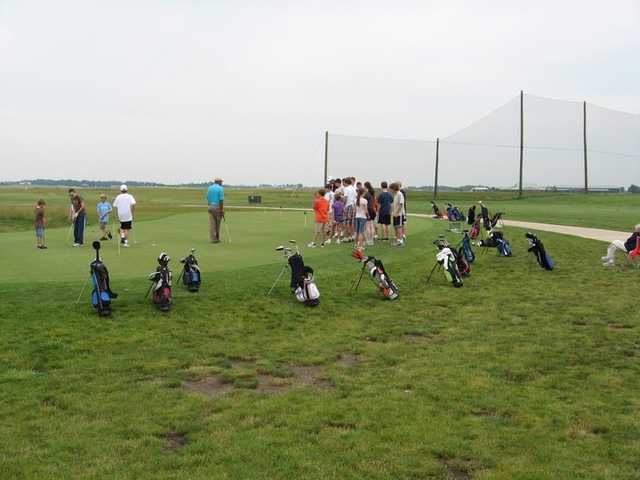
<point x="215" y="200"/>
<point x="104" y="209"/>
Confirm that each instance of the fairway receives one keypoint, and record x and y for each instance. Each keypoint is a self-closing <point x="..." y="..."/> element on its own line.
<point x="519" y="374"/>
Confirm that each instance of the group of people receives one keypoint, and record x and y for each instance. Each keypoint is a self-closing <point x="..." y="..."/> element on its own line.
<point x="124" y="204"/>
<point x="347" y="210"/>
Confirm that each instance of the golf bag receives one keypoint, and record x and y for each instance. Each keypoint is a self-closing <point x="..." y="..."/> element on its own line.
<point x="475" y="229"/>
<point x="436" y="210"/>
<point x="496" y="218"/>
<point x="471" y="215"/>
<point x="537" y="248"/>
<point x="454" y="214"/>
<point x="461" y="262"/>
<point x="447" y="259"/>
<point x="302" y="284"/>
<point x="161" y="284"/>
<point x="101" y="295"/>
<point x="486" y="221"/>
<point x="496" y="239"/>
<point x="190" y="272"/>
<point x="378" y="274"/>
<point x="467" y="251"/>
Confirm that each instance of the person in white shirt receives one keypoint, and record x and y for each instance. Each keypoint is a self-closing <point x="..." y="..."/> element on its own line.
<point x="329" y="196"/>
<point x="125" y="205"/>
<point x="361" y="217"/>
<point x="350" y="196"/>
<point x="398" y="213"/>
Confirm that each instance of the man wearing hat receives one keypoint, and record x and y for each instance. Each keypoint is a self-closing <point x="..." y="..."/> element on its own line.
<point x="215" y="200"/>
<point x="125" y="205"/>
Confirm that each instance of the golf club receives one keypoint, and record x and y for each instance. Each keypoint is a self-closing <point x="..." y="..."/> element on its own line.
<point x="226" y="227"/>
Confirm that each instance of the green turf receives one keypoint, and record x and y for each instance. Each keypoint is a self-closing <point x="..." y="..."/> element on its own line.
<point x="520" y="374"/>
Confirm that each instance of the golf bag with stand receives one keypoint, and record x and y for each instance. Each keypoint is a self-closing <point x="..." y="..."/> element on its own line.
<point x="161" y="284"/>
<point x="446" y="259"/>
<point x="302" y="284"/>
<point x="471" y="215"/>
<point x="496" y="239"/>
<point x="484" y="213"/>
<point x="537" y="248"/>
<point x="466" y="249"/>
<point x="378" y="275"/>
<point x="454" y="214"/>
<point x="190" y="274"/>
<point x="436" y="210"/>
<point x="101" y="296"/>
<point x="475" y="229"/>
<point x="496" y="218"/>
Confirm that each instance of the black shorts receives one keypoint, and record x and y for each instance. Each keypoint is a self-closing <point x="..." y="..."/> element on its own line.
<point x="125" y="225"/>
<point x="398" y="221"/>
<point x="384" y="219"/>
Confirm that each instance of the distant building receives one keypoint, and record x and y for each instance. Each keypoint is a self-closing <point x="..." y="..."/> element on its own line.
<point x="479" y="189"/>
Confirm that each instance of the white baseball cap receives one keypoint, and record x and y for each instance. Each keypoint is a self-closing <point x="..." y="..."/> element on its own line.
<point x="123" y="188"/>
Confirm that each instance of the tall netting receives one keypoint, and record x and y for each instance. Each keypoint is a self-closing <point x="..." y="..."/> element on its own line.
<point x="613" y="147"/>
<point x="487" y="152"/>
<point x="376" y="159"/>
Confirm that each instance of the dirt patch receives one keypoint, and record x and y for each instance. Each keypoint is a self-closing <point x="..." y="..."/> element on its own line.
<point x="347" y="359"/>
<point x="490" y="414"/>
<point x="174" y="441"/>
<point x="311" y="375"/>
<point x="619" y="326"/>
<point x="210" y="386"/>
<point x="455" y="469"/>
<point x="414" y="337"/>
<point x="581" y="430"/>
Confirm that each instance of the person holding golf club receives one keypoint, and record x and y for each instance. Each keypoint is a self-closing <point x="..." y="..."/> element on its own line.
<point x="104" y="209"/>
<point x="215" y="201"/>
<point x="40" y="223"/>
<point x="125" y="205"/>
<point x="78" y="217"/>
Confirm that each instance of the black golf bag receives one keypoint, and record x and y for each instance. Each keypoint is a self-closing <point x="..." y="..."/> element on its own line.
<point x="496" y="239"/>
<point x="447" y="259"/>
<point x="467" y="251"/>
<point x="161" y="284"/>
<point x="436" y="210"/>
<point x="471" y="215"/>
<point x="486" y="221"/>
<point x="378" y="274"/>
<point x="101" y="294"/>
<point x="496" y="218"/>
<point x="190" y="272"/>
<point x="537" y="248"/>
<point x="302" y="284"/>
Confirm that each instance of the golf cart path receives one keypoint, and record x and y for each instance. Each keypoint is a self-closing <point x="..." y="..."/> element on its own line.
<point x="583" y="232"/>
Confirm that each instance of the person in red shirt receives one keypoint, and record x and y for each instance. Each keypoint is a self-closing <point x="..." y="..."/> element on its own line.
<point x="321" y="208"/>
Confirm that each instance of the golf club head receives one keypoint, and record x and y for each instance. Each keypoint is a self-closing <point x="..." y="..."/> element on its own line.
<point x="193" y="250"/>
<point x="96" y="245"/>
<point x="280" y="248"/>
<point x="293" y="242"/>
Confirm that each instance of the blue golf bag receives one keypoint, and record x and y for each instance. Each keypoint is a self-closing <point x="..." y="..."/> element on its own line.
<point x="101" y="295"/>
<point x="190" y="272"/>
<point x="466" y="248"/>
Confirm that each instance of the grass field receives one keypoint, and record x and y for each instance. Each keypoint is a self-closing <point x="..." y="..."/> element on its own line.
<point x="609" y="211"/>
<point x="521" y="374"/>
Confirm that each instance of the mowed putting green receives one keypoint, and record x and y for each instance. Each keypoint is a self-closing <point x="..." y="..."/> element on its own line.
<point x="519" y="374"/>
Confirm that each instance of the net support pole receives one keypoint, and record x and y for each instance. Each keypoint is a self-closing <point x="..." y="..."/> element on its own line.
<point x="435" y="182"/>
<point x="521" y="140"/>
<point x="326" y="157"/>
<point x="584" y="143"/>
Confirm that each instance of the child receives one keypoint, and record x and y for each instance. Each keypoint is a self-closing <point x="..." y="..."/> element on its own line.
<point x="338" y="217"/>
<point x="39" y="224"/>
<point x="398" y="213"/>
<point x="104" y="209"/>
<point x="362" y="217"/>
<point x="321" y="208"/>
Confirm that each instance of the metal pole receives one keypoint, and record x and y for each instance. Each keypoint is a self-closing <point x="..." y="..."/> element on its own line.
<point x="584" y="134"/>
<point x="326" y="157"/>
<point x="435" y="183"/>
<point x="521" y="140"/>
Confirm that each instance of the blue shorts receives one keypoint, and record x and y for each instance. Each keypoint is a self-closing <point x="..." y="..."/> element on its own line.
<point x="361" y="224"/>
<point x="39" y="232"/>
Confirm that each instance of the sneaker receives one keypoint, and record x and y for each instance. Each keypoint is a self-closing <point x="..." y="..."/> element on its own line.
<point x="76" y="244"/>
<point x="327" y="242"/>
<point x="604" y="259"/>
<point x="43" y="247"/>
<point x="322" y="245"/>
<point x="311" y="245"/>
<point x="609" y="264"/>
<point x="338" y="242"/>
<point x="370" y="243"/>
<point x="125" y="244"/>
<point x="109" y="235"/>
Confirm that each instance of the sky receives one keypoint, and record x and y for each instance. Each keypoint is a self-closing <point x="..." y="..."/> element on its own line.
<point x="180" y="91"/>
